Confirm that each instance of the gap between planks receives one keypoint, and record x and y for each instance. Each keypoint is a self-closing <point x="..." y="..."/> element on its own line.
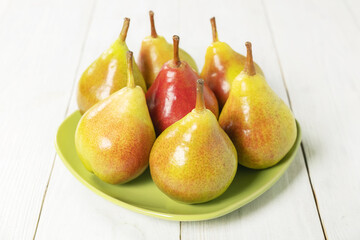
<point x="289" y="99"/>
<point x="67" y="109"/>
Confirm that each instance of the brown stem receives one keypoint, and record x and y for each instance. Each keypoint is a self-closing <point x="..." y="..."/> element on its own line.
<point x="200" y="102"/>
<point x="130" y="74"/>
<point x="124" y="29"/>
<point x="214" y="30"/>
<point x="176" y="40"/>
<point x="152" y="23"/>
<point x="249" y="67"/>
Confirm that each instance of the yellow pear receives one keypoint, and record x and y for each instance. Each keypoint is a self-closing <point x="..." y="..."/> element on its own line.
<point x="193" y="160"/>
<point x="107" y="74"/>
<point x="114" y="137"/>
<point x="222" y="65"/>
<point x="259" y="123"/>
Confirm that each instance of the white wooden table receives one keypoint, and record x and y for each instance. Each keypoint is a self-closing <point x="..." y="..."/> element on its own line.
<point x="309" y="51"/>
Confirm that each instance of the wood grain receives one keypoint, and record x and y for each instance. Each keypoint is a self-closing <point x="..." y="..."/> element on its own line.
<point x="319" y="50"/>
<point x="40" y="44"/>
<point x="353" y="7"/>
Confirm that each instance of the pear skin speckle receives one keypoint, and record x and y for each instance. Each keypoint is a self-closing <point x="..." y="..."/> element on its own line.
<point x="222" y="65"/>
<point x="114" y="137"/>
<point x="106" y="75"/>
<point x="261" y="126"/>
<point x="193" y="160"/>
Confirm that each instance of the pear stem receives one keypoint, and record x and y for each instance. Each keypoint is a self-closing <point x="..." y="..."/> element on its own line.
<point x="130" y="74"/>
<point x="249" y="67"/>
<point x="176" y="40"/>
<point x="214" y="30"/>
<point x="152" y="23"/>
<point x="200" y="102"/>
<point x="124" y="29"/>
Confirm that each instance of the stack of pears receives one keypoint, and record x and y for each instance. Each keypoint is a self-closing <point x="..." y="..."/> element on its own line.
<point x="195" y="157"/>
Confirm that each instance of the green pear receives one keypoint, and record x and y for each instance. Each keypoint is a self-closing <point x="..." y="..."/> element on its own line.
<point x="193" y="160"/>
<point x="260" y="124"/>
<point x="114" y="137"/>
<point x="107" y="74"/>
<point x="155" y="51"/>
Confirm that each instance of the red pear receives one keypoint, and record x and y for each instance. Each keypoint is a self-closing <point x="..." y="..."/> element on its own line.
<point x="173" y="93"/>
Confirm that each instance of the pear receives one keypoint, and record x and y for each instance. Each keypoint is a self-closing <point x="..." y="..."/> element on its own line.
<point x="114" y="137"/>
<point x="155" y="51"/>
<point x="173" y="93"/>
<point x="259" y="123"/>
<point x="193" y="160"/>
<point x="222" y="65"/>
<point x="107" y="74"/>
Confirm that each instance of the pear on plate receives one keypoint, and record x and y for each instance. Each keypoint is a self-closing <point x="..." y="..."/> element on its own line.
<point x="222" y="65"/>
<point x="155" y="51"/>
<point x="193" y="160"/>
<point x="173" y="93"/>
<point x="113" y="138"/>
<point x="260" y="124"/>
<point x="107" y="74"/>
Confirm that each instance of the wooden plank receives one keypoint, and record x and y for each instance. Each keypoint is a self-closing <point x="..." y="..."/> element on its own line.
<point x="40" y="44"/>
<point x="71" y="211"/>
<point x="3" y="7"/>
<point x="319" y="51"/>
<point x="288" y="208"/>
<point x="353" y="7"/>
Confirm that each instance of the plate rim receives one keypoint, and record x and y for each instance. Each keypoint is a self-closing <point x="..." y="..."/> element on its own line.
<point x="180" y="217"/>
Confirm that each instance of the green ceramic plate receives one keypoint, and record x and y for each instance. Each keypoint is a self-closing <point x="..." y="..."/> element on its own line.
<point x="141" y="195"/>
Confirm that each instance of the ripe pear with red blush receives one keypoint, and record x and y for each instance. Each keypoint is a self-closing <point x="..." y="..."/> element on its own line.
<point x="155" y="51"/>
<point x="173" y="93"/>
<point x="222" y="65"/>
<point x="260" y="124"/>
<point x="113" y="138"/>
